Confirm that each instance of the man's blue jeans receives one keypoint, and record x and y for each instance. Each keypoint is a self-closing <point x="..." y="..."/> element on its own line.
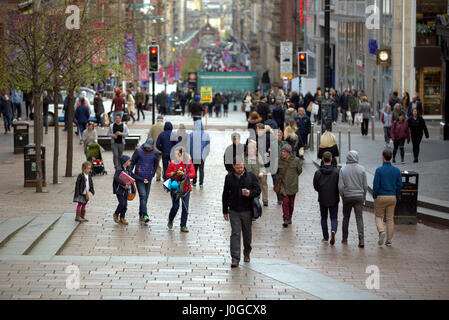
<point x="144" y="192"/>
<point x="175" y="208"/>
<point x="334" y="222"/>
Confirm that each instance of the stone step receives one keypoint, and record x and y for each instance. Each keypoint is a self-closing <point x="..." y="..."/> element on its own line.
<point x="21" y="242"/>
<point x="11" y="226"/>
<point x="53" y="241"/>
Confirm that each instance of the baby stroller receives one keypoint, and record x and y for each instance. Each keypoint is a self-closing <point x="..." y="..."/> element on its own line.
<point x="93" y="154"/>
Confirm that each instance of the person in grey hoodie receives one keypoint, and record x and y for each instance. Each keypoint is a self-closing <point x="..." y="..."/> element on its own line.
<point x="352" y="186"/>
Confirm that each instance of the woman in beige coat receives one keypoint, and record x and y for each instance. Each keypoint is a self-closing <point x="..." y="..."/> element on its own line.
<point x="131" y="104"/>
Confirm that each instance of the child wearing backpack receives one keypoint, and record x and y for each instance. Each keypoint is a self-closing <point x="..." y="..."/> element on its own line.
<point x="181" y="170"/>
<point x="83" y="185"/>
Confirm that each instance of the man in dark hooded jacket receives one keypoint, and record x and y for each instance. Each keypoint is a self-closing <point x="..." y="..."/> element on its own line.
<point x="144" y="164"/>
<point x="165" y="142"/>
<point x="199" y="150"/>
<point x="325" y="183"/>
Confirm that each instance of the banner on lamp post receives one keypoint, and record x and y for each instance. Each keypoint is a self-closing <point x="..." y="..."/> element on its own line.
<point x="142" y="67"/>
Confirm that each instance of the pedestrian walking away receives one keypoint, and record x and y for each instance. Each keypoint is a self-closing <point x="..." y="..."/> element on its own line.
<point x="154" y="133"/>
<point x="165" y="142"/>
<point x="121" y="189"/>
<point x="399" y="133"/>
<point x="17" y="99"/>
<point x="239" y="190"/>
<point x="387" y="185"/>
<point x="199" y="150"/>
<point x="365" y="110"/>
<point x="328" y="143"/>
<point x="196" y="108"/>
<point x="118" y="131"/>
<point x="82" y="115"/>
<point x="143" y="165"/>
<point x="84" y="184"/>
<point x="417" y="127"/>
<point x="98" y="108"/>
<point x="387" y="122"/>
<point x="325" y="182"/>
<point x="118" y="104"/>
<point x="140" y="102"/>
<point x="352" y="186"/>
<point x="182" y="171"/>
<point x="289" y="169"/>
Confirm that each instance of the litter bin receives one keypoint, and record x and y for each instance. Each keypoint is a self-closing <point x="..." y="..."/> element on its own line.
<point x="406" y="207"/>
<point x="29" y="153"/>
<point x="21" y="135"/>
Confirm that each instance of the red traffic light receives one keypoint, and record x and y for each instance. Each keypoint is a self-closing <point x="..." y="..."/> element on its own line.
<point x="302" y="56"/>
<point x="153" y="50"/>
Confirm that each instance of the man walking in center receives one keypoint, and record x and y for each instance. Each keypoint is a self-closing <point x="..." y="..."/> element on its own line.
<point x="118" y="131"/>
<point x="352" y="185"/>
<point x="240" y="189"/>
<point x="144" y="160"/>
<point x="387" y="185"/>
<point x="325" y="182"/>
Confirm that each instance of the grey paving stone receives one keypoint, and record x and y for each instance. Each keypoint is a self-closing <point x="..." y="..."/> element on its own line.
<point x="8" y="227"/>
<point x="54" y="240"/>
<point x="23" y="240"/>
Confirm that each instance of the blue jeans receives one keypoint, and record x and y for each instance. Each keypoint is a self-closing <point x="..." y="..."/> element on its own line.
<point x="175" y="207"/>
<point x="122" y="205"/>
<point x="144" y="191"/>
<point x="81" y="128"/>
<point x="334" y="222"/>
<point x="7" y="123"/>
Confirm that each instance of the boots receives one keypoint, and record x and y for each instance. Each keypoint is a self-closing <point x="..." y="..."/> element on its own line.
<point x="78" y="216"/>
<point x="123" y="221"/>
<point x="83" y="213"/>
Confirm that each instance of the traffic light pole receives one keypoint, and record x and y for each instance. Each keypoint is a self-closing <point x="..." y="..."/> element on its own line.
<point x="153" y="105"/>
<point x="327" y="53"/>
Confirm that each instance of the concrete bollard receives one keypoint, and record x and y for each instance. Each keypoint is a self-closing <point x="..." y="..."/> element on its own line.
<point x="311" y="142"/>
<point x="318" y="139"/>
<point x="349" y="140"/>
<point x="339" y="146"/>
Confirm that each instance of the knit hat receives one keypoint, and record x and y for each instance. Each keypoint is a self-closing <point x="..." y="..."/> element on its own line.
<point x="287" y="148"/>
<point x="149" y="143"/>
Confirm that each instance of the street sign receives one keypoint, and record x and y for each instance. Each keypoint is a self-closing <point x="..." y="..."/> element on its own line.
<point x="384" y="57"/>
<point x="286" y="56"/>
<point x="110" y="74"/>
<point x="206" y="94"/>
<point x="288" y="75"/>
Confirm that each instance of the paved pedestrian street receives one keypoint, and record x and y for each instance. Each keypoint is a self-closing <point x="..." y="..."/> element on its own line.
<point x="151" y="262"/>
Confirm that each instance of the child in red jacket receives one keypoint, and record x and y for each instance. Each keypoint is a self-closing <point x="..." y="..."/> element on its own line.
<point x="182" y="170"/>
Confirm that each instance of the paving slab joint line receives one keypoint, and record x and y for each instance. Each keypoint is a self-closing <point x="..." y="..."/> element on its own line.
<point x="15" y="232"/>
<point x="36" y="241"/>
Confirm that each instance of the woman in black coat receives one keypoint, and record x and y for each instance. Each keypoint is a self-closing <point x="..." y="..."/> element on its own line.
<point x="417" y="127"/>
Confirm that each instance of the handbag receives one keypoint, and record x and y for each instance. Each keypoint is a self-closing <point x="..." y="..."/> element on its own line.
<point x="348" y="115"/>
<point x="132" y="194"/>
<point x="277" y="187"/>
<point x="309" y="107"/>
<point x="358" y="118"/>
<point x="315" y="108"/>
<point x="257" y="209"/>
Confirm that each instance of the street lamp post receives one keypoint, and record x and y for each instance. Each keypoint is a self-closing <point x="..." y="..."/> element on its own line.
<point x="327" y="53"/>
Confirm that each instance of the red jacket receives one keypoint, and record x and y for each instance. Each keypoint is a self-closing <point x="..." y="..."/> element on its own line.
<point x="400" y="131"/>
<point x="189" y="168"/>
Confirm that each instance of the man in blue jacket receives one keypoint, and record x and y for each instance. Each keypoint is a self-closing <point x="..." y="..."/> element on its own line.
<point x="82" y="115"/>
<point x="165" y="142"/>
<point x="144" y="165"/>
<point x="199" y="150"/>
<point x="386" y="188"/>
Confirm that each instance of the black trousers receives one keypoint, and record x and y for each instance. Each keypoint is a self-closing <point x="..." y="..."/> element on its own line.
<point x="399" y="144"/>
<point x="201" y="167"/>
<point x="139" y="111"/>
<point x="365" y="125"/>
<point x="416" y="141"/>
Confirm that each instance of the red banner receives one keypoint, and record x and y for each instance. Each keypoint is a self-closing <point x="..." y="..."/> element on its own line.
<point x="171" y="74"/>
<point x="161" y="79"/>
<point x="100" y="44"/>
<point x="128" y="75"/>
<point x="142" y="67"/>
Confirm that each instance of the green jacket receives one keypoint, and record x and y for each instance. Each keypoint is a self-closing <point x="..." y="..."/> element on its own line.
<point x="289" y="185"/>
<point x="254" y="166"/>
<point x="354" y="103"/>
